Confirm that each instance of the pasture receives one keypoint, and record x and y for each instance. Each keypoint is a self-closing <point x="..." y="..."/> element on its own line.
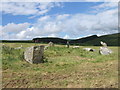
<point x="63" y="68"/>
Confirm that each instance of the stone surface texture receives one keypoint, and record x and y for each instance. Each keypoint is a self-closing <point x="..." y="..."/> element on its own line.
<point x="89" y="49"/>
<point x="51" y="44"/>
<point x="34" y="54"/>
<point x="104" y="50"/>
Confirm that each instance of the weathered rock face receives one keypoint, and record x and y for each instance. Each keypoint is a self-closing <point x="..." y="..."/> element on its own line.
<point x="68" y="44"/>
<point x="103" y="44"/>
<point x="51" y="44"/>
<point x="104" y="50"/>
<point x="34" y="54"/>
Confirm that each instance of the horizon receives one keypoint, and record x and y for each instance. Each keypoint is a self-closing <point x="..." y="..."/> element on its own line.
<point x="67" y="20"/>
<point x="63" y="38"/>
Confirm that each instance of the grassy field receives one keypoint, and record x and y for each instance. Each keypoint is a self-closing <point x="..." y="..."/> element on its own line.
<point x="64" y="68"/>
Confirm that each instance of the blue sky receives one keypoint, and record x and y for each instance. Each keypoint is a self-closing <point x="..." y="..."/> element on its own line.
<point x="58" y="19"/>
<point x="68" y="8"/>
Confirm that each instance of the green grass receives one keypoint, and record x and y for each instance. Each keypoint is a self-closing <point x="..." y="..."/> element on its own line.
<point x="64" y="68"/>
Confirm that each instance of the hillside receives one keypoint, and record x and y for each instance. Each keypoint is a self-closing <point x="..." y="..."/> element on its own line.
<point x="111" y="40"/>
<point x="50" y="39"/>
<point x="82" y="41"/>
<point x="94" y="40"/>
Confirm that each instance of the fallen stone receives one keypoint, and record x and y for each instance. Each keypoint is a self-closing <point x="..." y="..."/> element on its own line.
<point x="105" y="51"/>
<point x="76" y="46"/>
<point x="89" y="49"/>
<point x="34" y="54"/>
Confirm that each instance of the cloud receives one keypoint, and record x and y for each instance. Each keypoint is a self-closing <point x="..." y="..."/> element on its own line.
<point x="60" y="0"/>
<point x="66" y="36"/>
<point x="28" y="8"/>
<point x="12" y="30"/>
<point x="15" y="28"/>
<point x="62" y="17"/>
<point x="106" y="5"/>
<point x="66" y="25"/>
<point x="44" y="18"/>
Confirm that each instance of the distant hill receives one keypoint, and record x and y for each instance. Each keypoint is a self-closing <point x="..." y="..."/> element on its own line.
<point x="17" y="41"/>
<point x="94" y="40"/>
<point x="111" y="40"/>
<point x="83" y="40"/>
<point x="50" y="39"/>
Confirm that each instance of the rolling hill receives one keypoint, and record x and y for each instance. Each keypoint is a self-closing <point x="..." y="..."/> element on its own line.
<point x="94" y="40"/>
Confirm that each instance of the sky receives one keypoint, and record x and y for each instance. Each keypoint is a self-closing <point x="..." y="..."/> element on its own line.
<point x="68" y="20"/>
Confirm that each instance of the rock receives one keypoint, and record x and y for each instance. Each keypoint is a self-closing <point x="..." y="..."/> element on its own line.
<point x="51" y="44"/>
<point x="34" y="54"/>
<point x="76" y="46"/>
<point x="68" y="44"/>
<point x="89" y="49"/>
<point x="103" y="44"/>
<point x="105" y="51"/>
<point x="46" y="47"/>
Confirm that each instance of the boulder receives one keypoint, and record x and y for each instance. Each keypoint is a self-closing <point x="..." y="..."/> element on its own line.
<point x="46" y="47"/>
<point x="68" y="44"/>
<point x="51" y="44"/>
<point x="76" y="46"/>
<point x="34" y="54"/>
<point x="105" y="51"/>
<point x="89" y="49"/>
<point x="103" y="44"/>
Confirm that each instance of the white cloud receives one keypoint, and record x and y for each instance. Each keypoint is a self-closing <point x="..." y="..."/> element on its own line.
<point x="43" y="18"/>
<point x="60" y="0"/>
<point x="52" y="35"/>
<point x="72" y="26"/>
<point x="62" y="17"/>
<point x="15" y="28"/>
<point x="13" y="31"/>
<point x="66" y="36"/>
<point x="106" y="5"/>
<point x="27" y="8"/>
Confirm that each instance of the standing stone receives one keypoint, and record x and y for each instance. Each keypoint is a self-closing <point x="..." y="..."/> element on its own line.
<point x="34" y="54"/>
<point x="103" y="44"/>
<point x="76" y="46"/>
<point x="68" y="44"/>
<point x="51" y="44"/>
<point x="104" y="50"/>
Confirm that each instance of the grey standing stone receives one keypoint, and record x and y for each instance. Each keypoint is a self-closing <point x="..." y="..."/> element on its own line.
<point x="104" y="50"/>
<point x="34" y="54"/>
<point x="103" y="44"/>
<point x="68" y="44"/>
<point x="51" y="44"/>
